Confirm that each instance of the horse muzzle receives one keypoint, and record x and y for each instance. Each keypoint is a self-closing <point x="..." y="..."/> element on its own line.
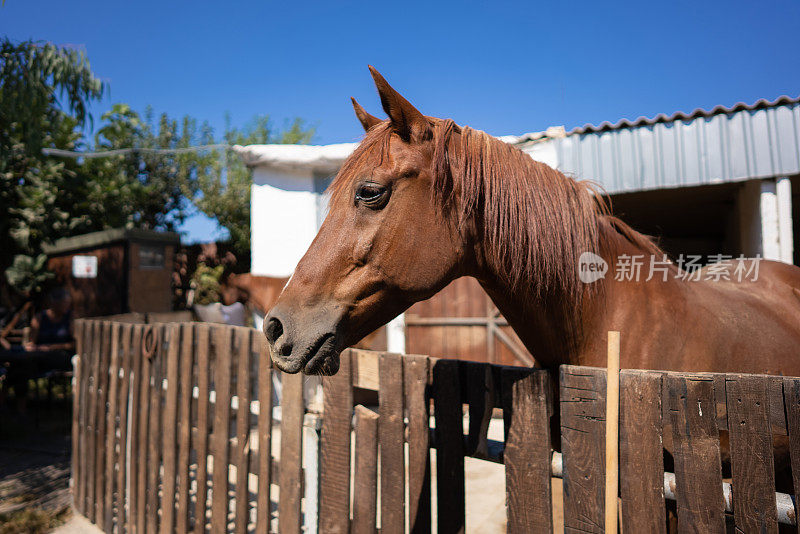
<point x="307" y="341"/>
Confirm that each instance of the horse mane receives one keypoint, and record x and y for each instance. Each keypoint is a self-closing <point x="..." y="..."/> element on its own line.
<point x="536" y="221"/>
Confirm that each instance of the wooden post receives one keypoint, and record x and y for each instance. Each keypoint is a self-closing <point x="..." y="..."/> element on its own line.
<point x="612" y="433"/>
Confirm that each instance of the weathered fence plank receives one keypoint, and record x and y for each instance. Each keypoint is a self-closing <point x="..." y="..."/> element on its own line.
<point x="80" y="467"/>
<point x="139" y="408"/>
<point x="223" y="356"/>
<point x="752" y="465"/>
<point x="203" y="361"/>
<point x="186" y="379"/>
<point x="449" y="433"/>
<point x="242" y="457"/>
<point x="392" y="443"/>
<point x="154" y="431"/>
<point x="264" y="378"/>
<point x="334" y="486"/>
<point x="641" y="452"/>
<point x="102" y="407"/>
<point x="527" y="451"/>
<point x="582" y="400"/>
<point x="698" y="473"/>
<point x="126" y="343"/>
<point x="791" y="392"/>
<point x="77" y="407"/>
<point x="415" y="383"/>
<point x="111" y="458"/>
<point x="289" y="519"/>
<point x="365" y="479"/>
<point x="91" y="426"/>
<point x="169" y="428"/>
<point x="481" y="399"/>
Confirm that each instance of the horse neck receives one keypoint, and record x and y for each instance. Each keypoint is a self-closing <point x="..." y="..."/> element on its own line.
<point x="555" y="328"/>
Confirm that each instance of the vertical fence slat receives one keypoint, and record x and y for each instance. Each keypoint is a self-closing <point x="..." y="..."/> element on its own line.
<point x="365" y="479"/>
<point x="582" y="400"/>
<point x="527" y="451"/>
<point x="243" y="430"/>
<point x="263" y="504"/>
<point x="641" y="452"/>
<point x="154" y="431"/>
<point x="415" y="383"/>
<point x="169" y="428"/>
<point x="111" y="458"/>
<point x="291" y="453"/>
<point x="752" y="464"/>
<point x="88" y="416"/>
<point x="223" y="356"/>
<point x="201" y="504"/>
<point x="391" y="435"/>
<point x="139" y="407"/>
<point x="450" y="492"/>
<point x="102" y="410"/>
<point x="78" y="407"/>
<point x="184" y="427"/>
<point x="91" y="437"/>
<point x="481" y="403"/>
<point x="334" y="484"/>
<point x="124" y="394"/>
<point x="698" y="472"/>
<point x="791" y="394"/>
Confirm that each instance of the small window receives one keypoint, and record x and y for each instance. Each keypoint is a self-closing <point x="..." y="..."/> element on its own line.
<point x="151" y="257"/>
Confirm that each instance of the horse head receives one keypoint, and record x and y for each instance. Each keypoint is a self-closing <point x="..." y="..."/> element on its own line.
<point x="383" y="245"/>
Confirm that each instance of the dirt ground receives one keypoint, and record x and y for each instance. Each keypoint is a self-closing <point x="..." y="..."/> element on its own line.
<point x="34" y="470"/>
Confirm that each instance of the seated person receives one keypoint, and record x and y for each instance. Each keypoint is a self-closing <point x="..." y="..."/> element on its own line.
<point x="51" y="333"/>
<point x="49" y="348"/>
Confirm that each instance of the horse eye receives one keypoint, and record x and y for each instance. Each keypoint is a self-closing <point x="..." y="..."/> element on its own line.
<point x="373" y="195"/>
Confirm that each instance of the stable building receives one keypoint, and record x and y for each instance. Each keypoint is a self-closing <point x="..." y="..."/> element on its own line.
<point x="115" y="271"/>
<point x="724" y="181"/>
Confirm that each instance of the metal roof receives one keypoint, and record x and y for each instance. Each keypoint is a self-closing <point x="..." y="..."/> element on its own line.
<point x="741" y="142"/>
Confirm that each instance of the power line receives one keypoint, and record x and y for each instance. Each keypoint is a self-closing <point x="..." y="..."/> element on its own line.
<point x="121" y="151"/>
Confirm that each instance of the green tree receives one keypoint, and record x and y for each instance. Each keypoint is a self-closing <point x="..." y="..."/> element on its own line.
<point x="45" y="91"/>
<point x="142" y="188"/>
<point x="44" y="94"/>
<point x="224" y="193"/>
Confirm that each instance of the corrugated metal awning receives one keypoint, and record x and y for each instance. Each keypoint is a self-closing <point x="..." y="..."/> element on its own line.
<point x="704" y="147"/>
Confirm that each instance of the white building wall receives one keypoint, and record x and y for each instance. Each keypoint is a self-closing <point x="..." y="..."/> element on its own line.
<point x="283" y="219"/>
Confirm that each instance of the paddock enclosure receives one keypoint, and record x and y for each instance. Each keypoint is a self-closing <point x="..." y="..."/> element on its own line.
<point x="174" y="431"/>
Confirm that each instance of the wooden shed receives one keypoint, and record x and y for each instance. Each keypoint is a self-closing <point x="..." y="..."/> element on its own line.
<point x="116" y="271"/>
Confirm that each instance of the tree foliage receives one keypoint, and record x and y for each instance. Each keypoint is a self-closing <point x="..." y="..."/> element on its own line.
<point x="45" y="92"/>
<point x="223" y="190"/>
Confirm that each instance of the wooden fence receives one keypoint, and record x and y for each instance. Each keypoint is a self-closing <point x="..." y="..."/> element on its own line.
<point x="188" y="446"/>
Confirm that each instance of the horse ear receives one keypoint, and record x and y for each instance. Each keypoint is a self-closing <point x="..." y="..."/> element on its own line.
<point x="367" y="120"/>
<point x="404" y="117"/>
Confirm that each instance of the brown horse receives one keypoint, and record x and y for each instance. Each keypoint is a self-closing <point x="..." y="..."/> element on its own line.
<point x="423" y="201"/>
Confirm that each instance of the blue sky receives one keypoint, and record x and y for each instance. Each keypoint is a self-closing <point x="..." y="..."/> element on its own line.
<point x="502" y="67"/>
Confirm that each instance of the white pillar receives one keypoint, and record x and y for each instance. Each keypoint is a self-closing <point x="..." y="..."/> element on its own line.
<point x="770" y="229"/>
<point x="783" y="192"/>
<point x="765" y="219"/>
<point x="396" y="334"/>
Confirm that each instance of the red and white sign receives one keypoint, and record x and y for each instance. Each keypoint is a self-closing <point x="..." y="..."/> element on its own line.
<point x="84" y="266"/>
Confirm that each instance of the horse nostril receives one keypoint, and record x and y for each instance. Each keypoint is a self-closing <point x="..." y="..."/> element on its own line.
<point x="274" y="330"/>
